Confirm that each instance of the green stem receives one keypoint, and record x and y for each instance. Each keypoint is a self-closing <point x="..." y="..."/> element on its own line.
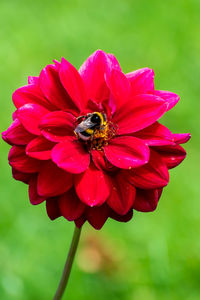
<point x="68" y="265"/>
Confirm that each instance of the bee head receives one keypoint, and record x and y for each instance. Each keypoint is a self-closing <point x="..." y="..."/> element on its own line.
<point x="96" y="119"/>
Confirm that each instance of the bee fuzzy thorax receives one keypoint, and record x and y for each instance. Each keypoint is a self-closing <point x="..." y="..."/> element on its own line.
<point x="95" y="130"/>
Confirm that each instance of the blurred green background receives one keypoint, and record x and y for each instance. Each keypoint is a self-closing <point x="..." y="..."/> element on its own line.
<point x="156" y="255"/>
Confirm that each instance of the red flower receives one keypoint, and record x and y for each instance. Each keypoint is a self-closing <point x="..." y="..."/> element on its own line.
<point x="89" y="144"/>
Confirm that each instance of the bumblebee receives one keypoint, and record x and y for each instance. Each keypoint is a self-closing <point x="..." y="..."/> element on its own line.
<point x="90" y="125"/>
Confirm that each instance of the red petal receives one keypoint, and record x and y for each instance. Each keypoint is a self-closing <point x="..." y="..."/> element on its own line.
<point x="52" y="88"/>
<point x="155" y="135"/>
<point x="30" y="94"/>
<point x="30" y="116"/>
<point x="14" y="115"/>
<point x="24" y="177"/>
<point x="98" y="159"/>
<point x="33" y="80"/>
<point x="97" y="216"/>
<point x="121" y="218"/>
<point x="21" y="162"/>
<point x="16" y="134"/>
<point x="112" y="62"/>
<point x="127" y="152"/>
<point x="70" y="206"/>
<point x="138" y="113"/>
<point x="170" y="98"/>
<point x="146" y="200"/>
<point x="93" y="73"/>
<point x="122" y="194"/>
<point x="33" y="195"/>
<point x="80" y="221"/>
<point x="91" y="107"/>
<point x="92" y="186"/>
<point x="101" y="161"/>
<point x="152" y="175"/>
<point x="52" y="208"/>
<point x="71" y="156"/>
<point x="40" y="148"/>
<point x="53" y="181"/>
<point x="172" y="155"/>
<point x="118" y="85"/>
<point x="181" y="138"/>
<point x="57" y="64"/>
<point x="73" y="83"/>
<point x="109" y="106"/>
<point x="56" y="125"/>
<point x="141" y="81"/>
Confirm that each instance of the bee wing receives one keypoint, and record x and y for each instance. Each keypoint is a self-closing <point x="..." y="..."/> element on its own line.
<point x="84" y="125"/>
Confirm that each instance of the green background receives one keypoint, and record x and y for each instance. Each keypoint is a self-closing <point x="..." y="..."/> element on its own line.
<point x="156" y="255"/>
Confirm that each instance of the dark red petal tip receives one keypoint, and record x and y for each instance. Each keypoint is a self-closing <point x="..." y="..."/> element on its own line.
<point x="70" y="206"/>
<point x="52" y="208"/>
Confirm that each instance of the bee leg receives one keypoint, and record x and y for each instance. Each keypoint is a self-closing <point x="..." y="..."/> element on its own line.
<point x="92" y="136"/>
<point x="80" y="117"/>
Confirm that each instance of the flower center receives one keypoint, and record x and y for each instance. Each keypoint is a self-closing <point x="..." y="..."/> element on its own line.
<point x="94" y="130"/>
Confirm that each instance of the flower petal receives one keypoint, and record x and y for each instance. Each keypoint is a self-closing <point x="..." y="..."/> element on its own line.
<point x="91" y="107"/>
<point x="92" y="186"/>
<point x="30" y="116"/>
<point x="14" y="115"/>
<point x="118" y="85"/>
<point x="53" y="181"/>
<point x="93" y="73"/>
<point x="73" y="83"/>
<point x="97" y="216"/>
<point x="40" y="148"/>
<point x="127" y="152"/>
<point x="141" y="81"/>
<point x="181" y="138"/>
<point x="56" y="125"/>
<point x="122" y="194"/>
<point x="33" y="195"/>
<point x="169" y="97"/>
<point x="16" y="134"/>
<point x="21" y="162"/>
<point x="33" y="80"/>
<point x="53" y="90"/>
<point x="146" y="200"/>
<point x="120" y="218"/>
<point x="24" y="177"/>
<point x="30" y="94"/>
<point x="172" y="155"/>
<point x="52" y="208"/>
<point x="101" y="161"/>
<point x="152" y="175"/>
<point x="71" y="156"/>
<point x="140" y="112"/>
<point x="156" y="135"/>
<point x="70" y="206"/>
<point x="80" y="221"/>
<point x="112" y="62"/>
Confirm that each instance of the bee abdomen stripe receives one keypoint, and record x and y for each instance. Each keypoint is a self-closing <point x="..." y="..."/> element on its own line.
<point x="89" y="131"/>
<point x="84" y="133"/>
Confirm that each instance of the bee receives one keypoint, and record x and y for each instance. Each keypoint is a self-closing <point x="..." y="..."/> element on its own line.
<point x="90" y="124"/>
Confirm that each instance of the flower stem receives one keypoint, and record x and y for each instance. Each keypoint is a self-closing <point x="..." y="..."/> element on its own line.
<point x="68" y="265"/>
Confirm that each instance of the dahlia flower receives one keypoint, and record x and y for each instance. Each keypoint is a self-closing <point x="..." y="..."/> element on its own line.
<point x="89" y="143"/>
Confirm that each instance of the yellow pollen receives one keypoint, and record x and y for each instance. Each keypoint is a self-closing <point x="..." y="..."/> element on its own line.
<point x="101" y="136"/>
